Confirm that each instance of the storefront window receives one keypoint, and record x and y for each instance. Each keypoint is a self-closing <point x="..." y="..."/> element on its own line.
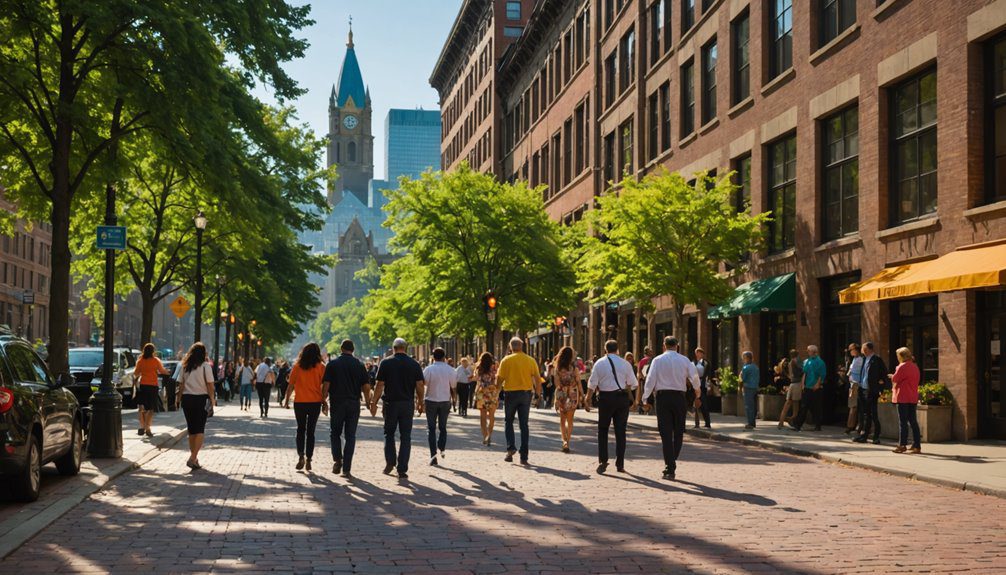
<point x="725" y="343"/>
<point x="915" y="325"/>
<point x="779" y="334"/>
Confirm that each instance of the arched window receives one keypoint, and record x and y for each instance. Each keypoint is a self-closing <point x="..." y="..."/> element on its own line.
<point x="351" y="151"/>
<point x="337" y="158"/>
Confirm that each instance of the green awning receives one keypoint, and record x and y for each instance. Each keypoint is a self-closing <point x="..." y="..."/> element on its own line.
<point x="771" y="294"/>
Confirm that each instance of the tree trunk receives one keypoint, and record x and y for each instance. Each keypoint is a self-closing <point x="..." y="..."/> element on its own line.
<point x="146" y="317"/>
<point x="59" y="295"/>
<point x="678" y="320"/>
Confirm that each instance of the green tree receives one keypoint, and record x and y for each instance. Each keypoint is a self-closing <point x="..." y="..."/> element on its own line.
<point x="342" y="322"/>
<point x="662" y="236"/>
<point x="463" y="234"/>
<point x="78" y="78"/>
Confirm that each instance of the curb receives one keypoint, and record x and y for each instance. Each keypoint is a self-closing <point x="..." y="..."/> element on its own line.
<point x="18" y="536"/>
<point x="828" y="458"/>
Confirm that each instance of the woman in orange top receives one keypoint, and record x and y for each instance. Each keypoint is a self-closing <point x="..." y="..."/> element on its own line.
<point x="148" y="368"/>
<point x="305" y="385"/>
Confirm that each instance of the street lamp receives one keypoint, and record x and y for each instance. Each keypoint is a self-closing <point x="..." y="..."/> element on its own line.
<point x="200" y="221"/>
<point x="216" y="324"/>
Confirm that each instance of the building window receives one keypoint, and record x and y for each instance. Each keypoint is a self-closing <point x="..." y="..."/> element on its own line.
<point x="914" y="147"/>
<point x="782" y="194"/>
<point x="627" y="73"/>
<point x="656" y="31"/>
<point x="512" y="31"/>
<point x="841" y="174"/>
<point x="581" y="137"/>
<point x="687" y="15"/>
<point x="742" y="179"/>
<point x="609" y="79"/>
<point x="781" y="58"/>
<point x="513" y="10"/>
<point x="996" y="145"/>
<point x="351" y="151"/>
<point x="609" y="13"/>
<point x="740" y="36"/>
<point x="915" y="325"/>
<point x="567" y="151"/>
<point x="836" y="16"/>
<point x="609" y="158"/>
<point x="625" y="143"/>
<point x="556" y="177"/>
<point x="687" y="98"/>
<point x="709" y="82"/>
<point x="665" y="116"/>
<point x="652" y="126"/>
<point x="545" y="168"/>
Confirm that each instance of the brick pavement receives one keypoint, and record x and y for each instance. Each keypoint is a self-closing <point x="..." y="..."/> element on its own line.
<point x="734" y="510"/>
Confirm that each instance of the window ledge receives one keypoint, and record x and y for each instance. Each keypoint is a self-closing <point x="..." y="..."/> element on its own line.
<point x="740" y="106"/>
<point x="839" y="243"/>
<point x="656" y="66"/>
<point x="986" y="211"/>
<point x="630" y="89"/>
<point x="835" y="43"/>
<point x="688" y="139"/>
<point x="778" y="81"/>
<point x="661" y="158"/>
<point x="929" y="223"/>
<point x="778" y="257"/>
<point x="882" y="11"/>
<point x="708" y="126"/>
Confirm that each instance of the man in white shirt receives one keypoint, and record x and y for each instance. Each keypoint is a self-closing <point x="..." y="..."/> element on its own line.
<point x="441" y="385"/>
<point x="614" y="379"/>
<point x="669" y="377"/>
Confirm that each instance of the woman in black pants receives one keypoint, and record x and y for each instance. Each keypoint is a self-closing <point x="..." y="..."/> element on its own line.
<point x="305" y="386"/>
<point x="196" y="398"/>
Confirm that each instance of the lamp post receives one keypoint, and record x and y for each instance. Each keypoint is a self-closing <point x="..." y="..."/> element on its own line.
<point x="200" y="221"/>
<point x="227" y="339"/>
<point x="216" y="325"/>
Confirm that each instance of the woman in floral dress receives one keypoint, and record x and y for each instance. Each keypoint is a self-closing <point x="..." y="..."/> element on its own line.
<point x="487" y="395"/>
<point x="567" y="393"/>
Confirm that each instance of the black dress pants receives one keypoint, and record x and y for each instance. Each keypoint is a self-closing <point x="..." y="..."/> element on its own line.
<point x="671" y="412"/>
<point x="612" y="406"/>
<point x="811" y="401"/>
<point x="869" y="415"/>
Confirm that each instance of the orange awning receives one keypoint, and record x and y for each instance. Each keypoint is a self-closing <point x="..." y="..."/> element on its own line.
<point x="972" y="267"/>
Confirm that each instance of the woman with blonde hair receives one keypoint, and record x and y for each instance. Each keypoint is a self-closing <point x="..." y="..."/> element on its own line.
<point x="567" y="393"/>
<point x="487" y="395"/>
<point x="905" y="395"/>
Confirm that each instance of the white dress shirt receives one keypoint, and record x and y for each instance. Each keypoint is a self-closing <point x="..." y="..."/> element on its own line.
<point x="440" y="379"/>
<point x="603" y="377"/>
<point x="670" y="371"/>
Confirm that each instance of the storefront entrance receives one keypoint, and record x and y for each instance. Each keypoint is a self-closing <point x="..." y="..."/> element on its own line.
<point x="840" y="326"/>
<point x="992" y="364"/>
<point x="914" y="324"/>
<point x="779" y="335"/>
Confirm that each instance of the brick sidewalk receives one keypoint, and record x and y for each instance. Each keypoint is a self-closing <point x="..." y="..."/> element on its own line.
<point x="734" y="510"/>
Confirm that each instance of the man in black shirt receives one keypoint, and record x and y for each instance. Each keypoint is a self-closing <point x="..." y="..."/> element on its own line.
<point x="400" y="383"/>
<point x="344" y="380"/>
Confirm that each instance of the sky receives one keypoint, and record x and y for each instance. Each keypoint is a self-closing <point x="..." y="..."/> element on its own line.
<point x="397" y="43"/>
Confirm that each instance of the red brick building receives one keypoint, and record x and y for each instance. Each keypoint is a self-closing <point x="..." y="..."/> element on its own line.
<point x="875" y="132"/>
<point x="24" y="277"/>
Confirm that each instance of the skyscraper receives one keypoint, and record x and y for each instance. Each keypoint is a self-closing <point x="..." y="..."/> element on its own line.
<point x="411" y="143"/>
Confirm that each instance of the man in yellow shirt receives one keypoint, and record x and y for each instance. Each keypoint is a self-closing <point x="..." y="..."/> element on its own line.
<point x="519" y="376"/>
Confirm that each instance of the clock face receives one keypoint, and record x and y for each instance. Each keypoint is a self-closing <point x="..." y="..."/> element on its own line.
<point x="349" y="122"/>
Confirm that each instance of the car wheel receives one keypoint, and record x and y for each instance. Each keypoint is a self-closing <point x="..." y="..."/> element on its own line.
<point x="26" y="484"/>
<point x="69" y="462"/>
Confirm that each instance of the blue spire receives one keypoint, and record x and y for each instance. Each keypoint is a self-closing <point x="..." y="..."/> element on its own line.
<point x="350" y="79"/>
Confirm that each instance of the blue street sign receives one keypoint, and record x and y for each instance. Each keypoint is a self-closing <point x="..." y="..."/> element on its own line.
<point x="111" y="237"/>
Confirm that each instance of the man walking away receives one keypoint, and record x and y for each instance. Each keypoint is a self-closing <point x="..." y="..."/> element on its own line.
<point x="814" y="371"/>
<point x="518" y="375"/>
<point x="441" y="380"/>
<point x="705" y="371"/>
<point x="245" y="379"/>
<point x="614" y="379"/>
<point x="344" y="380"/>
<point x="400" y="382"/>
<point x="669" y="377"/>
<point x="464" y="387"/>
<point x="751" y="378"/>
<point x="874" y="373"/>
<point x="264" y="379"/>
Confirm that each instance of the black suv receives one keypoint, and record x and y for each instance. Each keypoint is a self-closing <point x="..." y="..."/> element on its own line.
<point x="40" y="420"/>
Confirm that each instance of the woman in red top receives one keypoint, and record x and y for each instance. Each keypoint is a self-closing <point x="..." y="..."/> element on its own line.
<point x="906" y="396"/>
<point x="148" y="368"/>
<point x="305" y="385"/>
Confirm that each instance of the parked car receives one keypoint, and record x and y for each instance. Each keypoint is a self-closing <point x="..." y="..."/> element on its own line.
<point x="40" y="420"/>
<point x="85" y="367"/>
<point x="168" y="384"/>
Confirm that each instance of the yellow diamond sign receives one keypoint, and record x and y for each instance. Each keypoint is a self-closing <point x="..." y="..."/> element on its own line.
<point x="180" y="306"/>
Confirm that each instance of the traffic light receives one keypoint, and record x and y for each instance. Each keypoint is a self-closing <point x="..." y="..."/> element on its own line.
<point x="491" y="300"/>
<point x="490" y="303"/>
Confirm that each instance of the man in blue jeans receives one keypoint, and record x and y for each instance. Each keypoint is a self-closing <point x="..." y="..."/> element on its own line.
<point x="344" y="380"/>
<point x="441" y="382"/>
<point x="518" y="375"/>
<point x="400" y="383"/>
<point x="751" y="378"/>
<point x="814" y="372"/>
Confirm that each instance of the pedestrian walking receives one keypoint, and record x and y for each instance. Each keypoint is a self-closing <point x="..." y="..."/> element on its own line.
<point x="643" y="369"/>
<point x="814" y="372"/>
<point x="265" y="378"/>
<point x="441" y="382"/>
<point x="487" y="395"/>
<point x="147" y="374"/>
<point x="567" y="393"/>
<point x="282" y="379"/>
<point x="669" y="377"/>
<point x="245" y="377"/>
<point x="464" y="374"/>
<point x="345" y="380"/>
<point x="857" y="387"/>
<point x="874" y="373"/>
<point x="751" y="379"/>
<point x="616" y="387"/>
<point x="400" y="383"/>
<point x="905" y="395"/>
<point x="794" y="389"/>
<point x="306" y="388"/>
<point x="196" y="398"/>
<point x="705" y="371"/>
<point x="520" y="379"/>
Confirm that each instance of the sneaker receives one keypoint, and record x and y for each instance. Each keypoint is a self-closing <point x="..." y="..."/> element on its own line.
<point x="433" y="461"/>
<point x="300" y="463"/>
<point x="668" y="475"/>
<point x="149" y="433"/>
<point x="307" y="465"/>
<point x="602" y="467"/>
<point x="337" y="466"/>
<point x="876" y="441"/>
<point x="900" y="449"/>
<point x="389" y="468"/>
<point x="139" y="431"/>
<point x="915" y="450"/>
<point x="509" y="455"/>
<point x="403" y="475"/>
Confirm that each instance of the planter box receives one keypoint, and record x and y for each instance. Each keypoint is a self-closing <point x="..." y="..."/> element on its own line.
<point x="770" y="406"/>
<point x="935" y="422"/>
<point x="729" y="402"/>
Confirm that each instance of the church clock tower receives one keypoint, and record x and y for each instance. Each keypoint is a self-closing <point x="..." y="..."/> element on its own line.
<point x="351" y="140"/>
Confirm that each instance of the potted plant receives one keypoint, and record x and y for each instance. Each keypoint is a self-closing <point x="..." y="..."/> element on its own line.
<point x="770" y="402"/>
<point x="935" y="413"/>
<point x="729" y="386"/>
